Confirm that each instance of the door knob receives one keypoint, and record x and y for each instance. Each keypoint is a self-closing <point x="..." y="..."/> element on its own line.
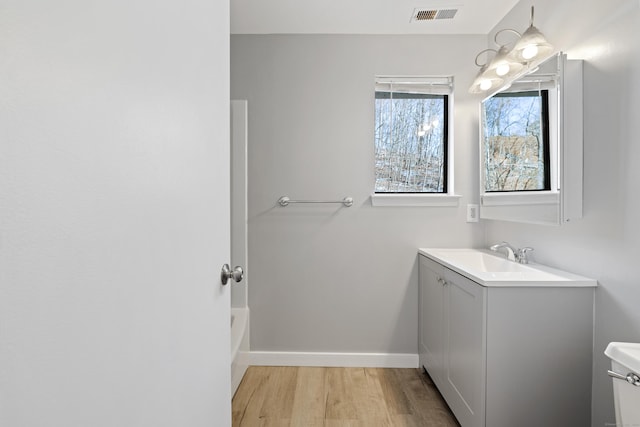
<point x="237" y="274"/>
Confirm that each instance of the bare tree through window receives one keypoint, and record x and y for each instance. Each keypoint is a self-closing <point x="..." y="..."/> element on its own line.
<point x="410" y="142"/>
<point x="516" y="142"/>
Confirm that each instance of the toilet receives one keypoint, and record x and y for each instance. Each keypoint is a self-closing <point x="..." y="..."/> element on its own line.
<point x="625" y="371"/>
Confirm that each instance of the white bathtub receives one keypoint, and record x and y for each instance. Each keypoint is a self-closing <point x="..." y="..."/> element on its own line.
<point x="239" y="345"/>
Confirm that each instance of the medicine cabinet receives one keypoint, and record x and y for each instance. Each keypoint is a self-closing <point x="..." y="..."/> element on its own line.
<point x="531" y="146"/>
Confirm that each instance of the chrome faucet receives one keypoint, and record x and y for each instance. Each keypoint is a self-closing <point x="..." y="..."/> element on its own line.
<point x="511" y="252"/>
<point x="517" y="255"/>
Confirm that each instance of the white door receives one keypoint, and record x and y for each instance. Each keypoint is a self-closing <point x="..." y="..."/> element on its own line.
<point x="114" y="200"/>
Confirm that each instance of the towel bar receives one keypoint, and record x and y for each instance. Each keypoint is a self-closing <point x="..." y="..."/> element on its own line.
<point x="285" y="201"/>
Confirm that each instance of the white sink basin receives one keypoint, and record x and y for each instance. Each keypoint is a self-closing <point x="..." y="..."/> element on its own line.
<point x="490" y="269"/>
<point x="479" y="261"/>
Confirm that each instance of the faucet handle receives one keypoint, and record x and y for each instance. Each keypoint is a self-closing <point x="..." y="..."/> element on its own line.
<point x="522" y="255"/>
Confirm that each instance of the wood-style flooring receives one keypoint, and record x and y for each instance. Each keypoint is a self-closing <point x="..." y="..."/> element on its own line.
<point x="338" y="397"/>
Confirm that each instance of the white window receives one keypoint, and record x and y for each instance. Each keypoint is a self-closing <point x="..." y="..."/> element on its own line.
<point x="412" y="140"/>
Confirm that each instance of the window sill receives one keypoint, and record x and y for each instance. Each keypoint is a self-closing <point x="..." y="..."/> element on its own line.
<point x="383" y="200"/>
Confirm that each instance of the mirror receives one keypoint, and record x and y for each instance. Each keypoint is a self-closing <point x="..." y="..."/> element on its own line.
<point x="531" y="146"/>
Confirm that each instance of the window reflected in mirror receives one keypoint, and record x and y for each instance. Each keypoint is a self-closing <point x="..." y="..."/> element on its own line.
<point x="516" y="141"/>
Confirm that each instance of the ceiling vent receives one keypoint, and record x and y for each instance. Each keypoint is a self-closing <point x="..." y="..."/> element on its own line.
<point x="426" y="14"/>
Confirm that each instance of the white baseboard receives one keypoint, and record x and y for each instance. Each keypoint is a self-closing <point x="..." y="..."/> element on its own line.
<point x="344" y="360"/>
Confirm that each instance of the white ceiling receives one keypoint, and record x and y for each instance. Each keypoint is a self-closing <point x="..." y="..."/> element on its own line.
<point x="363" y="16"/>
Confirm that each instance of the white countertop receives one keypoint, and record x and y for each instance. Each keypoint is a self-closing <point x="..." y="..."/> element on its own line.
<point x="492" y="270"/>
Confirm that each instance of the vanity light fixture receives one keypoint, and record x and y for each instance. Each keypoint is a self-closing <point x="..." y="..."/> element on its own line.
<point x="532" y="47"/>
<point x="528" y="52"/>
<point x="502" y="65"/>
<point x="485" y="81"/>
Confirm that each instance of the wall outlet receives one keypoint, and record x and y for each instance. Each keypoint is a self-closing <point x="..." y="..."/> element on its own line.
<point x="472" y="213"/>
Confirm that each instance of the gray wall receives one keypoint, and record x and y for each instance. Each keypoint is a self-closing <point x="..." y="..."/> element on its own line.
<point x="605" y="244"/>
<point x="325" y="278"/>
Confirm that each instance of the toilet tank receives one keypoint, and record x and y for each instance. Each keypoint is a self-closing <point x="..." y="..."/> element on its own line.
<point x="625" y="370"/>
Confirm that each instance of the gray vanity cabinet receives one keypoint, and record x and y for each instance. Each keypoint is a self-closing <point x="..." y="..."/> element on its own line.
<point x="506" y="356"/>
<point x="452" y="336"/>
<point x="431" y="319"/>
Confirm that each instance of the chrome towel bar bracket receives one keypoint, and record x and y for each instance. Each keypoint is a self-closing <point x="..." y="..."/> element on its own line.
<point x="285" y="201"/>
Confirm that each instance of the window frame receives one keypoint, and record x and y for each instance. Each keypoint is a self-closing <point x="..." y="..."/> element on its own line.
<point x="545" y="122"/>
<point x="439" y="85"/>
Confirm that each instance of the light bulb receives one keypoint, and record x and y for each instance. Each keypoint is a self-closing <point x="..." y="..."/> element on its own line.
<point x="502" y="69"/>
<point x="485" y="84"/>
<point x="530" y="51"/>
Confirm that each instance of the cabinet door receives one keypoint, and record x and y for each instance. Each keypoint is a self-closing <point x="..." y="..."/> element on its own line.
<point x="465" y="355"/>
<point x="431" y="319"/>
